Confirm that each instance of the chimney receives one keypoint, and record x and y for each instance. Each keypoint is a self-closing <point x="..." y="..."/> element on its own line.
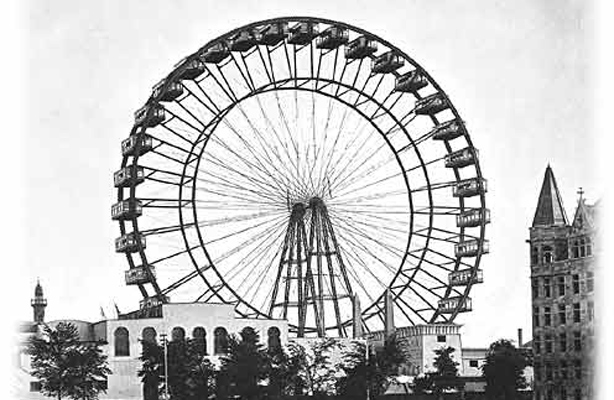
<point x="519" y="337"/>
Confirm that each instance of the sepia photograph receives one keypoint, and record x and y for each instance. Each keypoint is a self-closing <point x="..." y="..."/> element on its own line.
<point x="273" y="199"/>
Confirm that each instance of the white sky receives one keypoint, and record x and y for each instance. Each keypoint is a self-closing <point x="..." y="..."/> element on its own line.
<point x="519" y="72"/>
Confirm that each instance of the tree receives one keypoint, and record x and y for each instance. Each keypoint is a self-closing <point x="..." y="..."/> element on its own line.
<point x="246" y="364"/>
<point x="445" y="377"/>
<point x="504" y="370"/>
<point x="190" y="374"/>
<point x="383" y="364"/>
<point x="67" y="367"/>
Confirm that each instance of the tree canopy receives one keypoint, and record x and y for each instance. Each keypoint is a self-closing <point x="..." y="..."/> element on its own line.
<point x="66" y="367"/>
<point x="445" y="377"/>
<point x="504" y="370"/>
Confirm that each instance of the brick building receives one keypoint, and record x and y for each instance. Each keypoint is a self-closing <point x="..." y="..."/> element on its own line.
<point x="562" y="254"/>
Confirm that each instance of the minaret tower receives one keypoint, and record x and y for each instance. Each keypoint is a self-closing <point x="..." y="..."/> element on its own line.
<point x="39" y="302"/>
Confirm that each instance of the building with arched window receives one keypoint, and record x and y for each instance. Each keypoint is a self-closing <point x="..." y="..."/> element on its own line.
<point x="562" y="258"/>
<point x="122" y="340"/>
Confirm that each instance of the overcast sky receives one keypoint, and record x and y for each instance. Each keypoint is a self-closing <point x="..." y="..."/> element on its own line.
<point x="519" y="72"/>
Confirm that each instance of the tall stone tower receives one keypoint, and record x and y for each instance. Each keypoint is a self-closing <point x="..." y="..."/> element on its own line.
<point x="562" y="296"/>
<point x="39" y="302"/>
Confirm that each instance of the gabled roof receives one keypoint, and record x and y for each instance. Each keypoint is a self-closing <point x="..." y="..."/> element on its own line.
<point x="550" y="210"/>
<point x="584" y="218"/>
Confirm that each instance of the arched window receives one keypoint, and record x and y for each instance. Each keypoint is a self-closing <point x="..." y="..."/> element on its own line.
<point x="274" y="341"/>
<point x="177" y="334"/>
<point x="149" y="334"/>
<point x="220" y="340"/>
<point x="248" y="334"/>
<point x="547" y="254"/>
<point x="534" y="257"/>
<point x="200" y="339"/>
<point x="121" y="342"/>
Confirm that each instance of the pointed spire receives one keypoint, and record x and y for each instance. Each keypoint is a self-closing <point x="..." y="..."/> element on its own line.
<point x="550" y="210"/>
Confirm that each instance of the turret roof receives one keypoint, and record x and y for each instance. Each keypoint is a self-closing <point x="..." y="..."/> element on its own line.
<point x="550" y="210"/>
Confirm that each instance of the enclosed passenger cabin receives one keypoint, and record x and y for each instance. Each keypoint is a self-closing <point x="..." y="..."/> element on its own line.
<point x="360" y="47"/>
<point x="469" y="187"/>
<point x="138" y="275"/>
<point x="448" y="130"/>
<point x="470" y="248"/>
<point x="303" y="33"/>
<point x="126" y="209"/>
<point x="216" y="53"/>
<point x="125" y="178"/>
<point x="463" y="277"/>
<point x="449" y="305"/>
<point x="461" y="158"/>
<point x="129" y="145"/>
<point x="474" y="217"/>
<point x="156" y="116"/>
<point x="387" y="62"/>
<point x="153" y="301"/>
<point x="242" y="41"/>
<point x="431" y="104"/>
<point x="129" y="243"/>
<point x="272" y="34"/>
<point x="410" y="82"/>
<point x="332" y="37"/>
<point x="168" y="93"/>
<point x="190" y="68"/>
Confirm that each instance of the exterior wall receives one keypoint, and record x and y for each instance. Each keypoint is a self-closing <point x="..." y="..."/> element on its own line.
<point x="473" y="356"/>
<point x="555" y="369"/>
<point x="124" y="383"/>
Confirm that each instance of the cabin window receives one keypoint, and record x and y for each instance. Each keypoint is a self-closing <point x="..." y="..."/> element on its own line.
<point x="121" y="342"/>
<point x="149" y="334"/>
<point x="177" y="334"/>
<point x="220" y="340"/>
<point x="200" y="339"/>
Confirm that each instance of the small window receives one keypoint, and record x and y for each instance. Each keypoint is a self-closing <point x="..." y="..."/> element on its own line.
<point x="578" y="369"/>
<point x="548" y="343"/>
<point x="576" y="283"/>
<point x="547" y="291"/>
<point x="590" y="281"/>
<point x="547" y="254"/>
<point x="274" y="342"/>
<point x="563" y="341"/>
<point x="591" y="310"/>
<point x="473" y="363"/>
<point x="577" y="341"/>
<point x="548" y="370"/>
<point x="122" y="342"/>
<point x="441" y="338"/>
<point x="535" y="289"/>
<point x="563" y="369"/>
<point x="561" y="285"/>
<point x="578" y="394"/>
<point x="536" y="317"/>
<point x="562" y="314"/>
<point x="35" y="386"/>
<point x="547" y="316"/>
<point x="576" y="312"/>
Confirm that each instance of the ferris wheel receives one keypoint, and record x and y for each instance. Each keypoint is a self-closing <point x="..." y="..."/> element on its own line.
<point x="294" y="165"/>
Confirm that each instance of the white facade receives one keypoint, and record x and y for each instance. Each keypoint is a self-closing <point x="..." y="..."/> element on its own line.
<point x="124" y="383"/>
